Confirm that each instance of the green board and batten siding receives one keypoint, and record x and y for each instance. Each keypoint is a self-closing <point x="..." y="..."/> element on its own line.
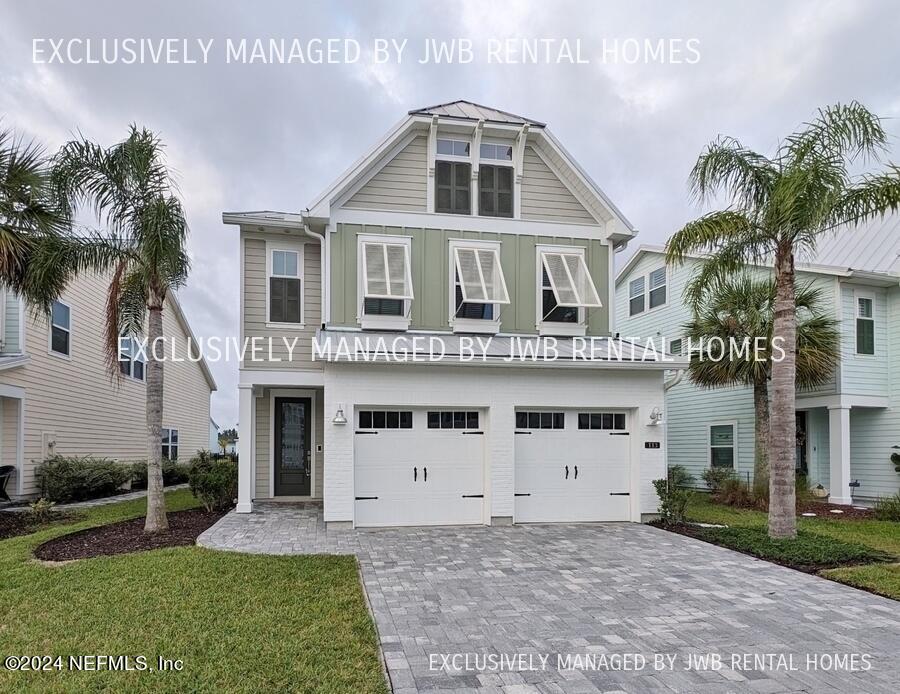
<point x="431" y="279"/>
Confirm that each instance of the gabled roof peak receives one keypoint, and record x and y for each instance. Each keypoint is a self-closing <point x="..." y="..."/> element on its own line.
<point x="469" y="110"/>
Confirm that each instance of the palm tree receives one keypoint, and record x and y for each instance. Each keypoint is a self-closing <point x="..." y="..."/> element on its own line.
<point x="129" y="188"/>
<point x="780" y="206"/>
<point x="742" y="308"/>
<point x="39" y="251"/>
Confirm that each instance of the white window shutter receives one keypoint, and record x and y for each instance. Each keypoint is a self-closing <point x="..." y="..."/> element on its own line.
<point x="570" y="280"/>
<point x="386" y="271"/>
<point x="480" y="275"/>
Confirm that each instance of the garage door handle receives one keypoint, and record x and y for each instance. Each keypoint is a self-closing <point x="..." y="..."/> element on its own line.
<point x="415" y="473"/>
<point x="567" y="472"/>
<point x="620" y="433"/>
<point x="576" y="472"/>
<point x="620" y="493"/>
<point x="523" y="433"/>
<point x="425" y="470"/>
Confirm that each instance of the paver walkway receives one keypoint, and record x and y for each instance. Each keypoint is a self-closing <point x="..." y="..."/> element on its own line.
<point x="479" y="608"/>
<point x="75" y="505"/>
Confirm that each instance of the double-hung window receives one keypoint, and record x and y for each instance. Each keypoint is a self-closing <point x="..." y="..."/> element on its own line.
<point x="131" y="358"/>
<point x="60" y="329"/>
<point x="721" y="445"/>
<point x="865" y="325"/>
<point x="478" y="287"/>
<point x="385" y="281"/>
<point x="657" y="282"/>
<point x="566" y="289"/>
<point x="285" y="287"/>
<point x="169" y="444"/>
<point x="636" y="296"/>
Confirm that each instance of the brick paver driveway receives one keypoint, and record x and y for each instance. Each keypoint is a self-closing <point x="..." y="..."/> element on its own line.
<point x="565" y="608"/>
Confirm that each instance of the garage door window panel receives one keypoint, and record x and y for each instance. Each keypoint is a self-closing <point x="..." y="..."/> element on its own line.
<point x="452" y="419"/>
<point x="603" y="421"/>
<point x="540" y="420"/>
<point x="385" y="419"/>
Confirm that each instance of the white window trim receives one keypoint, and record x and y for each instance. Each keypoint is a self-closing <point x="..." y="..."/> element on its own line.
<point x="380" y="322"/>
<point x="470" y="325"/>
<point x="857" y="295"/>
<point x="734" y="442"/>
<point x="177" y="445"/>
<point x="552" y="327"/>
<point x="646" y="276"/>
<point x="50" y="349"/>
<point x="291" y="247"/>
<point x="131" y="360"/>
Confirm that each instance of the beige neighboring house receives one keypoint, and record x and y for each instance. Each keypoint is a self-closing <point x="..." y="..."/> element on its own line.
<point x="57" y="397"/>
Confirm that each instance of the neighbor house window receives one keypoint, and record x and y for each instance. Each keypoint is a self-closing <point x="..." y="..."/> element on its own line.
<point x="721" y="445"/>
<point x="285" y="295"/>
<point x="657" y="281"/>
<point x="453" y="182"/>
<point x="636" y="296"/>
<point x="131" y="360"/>
<point x="60" y="328"/>
<point x="495" y="191"/>
<point x="170" y="444"/>
<point x="675" y="346"/>
<point x="865" y="325"/>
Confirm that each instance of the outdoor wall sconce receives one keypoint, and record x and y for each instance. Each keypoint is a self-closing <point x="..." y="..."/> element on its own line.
<point x="655" y="416"/>
<point x="339" y="417"/>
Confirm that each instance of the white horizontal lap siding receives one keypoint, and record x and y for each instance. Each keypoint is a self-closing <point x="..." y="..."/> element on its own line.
<point x="11" y="324"/>
<point x="90" y="413"/>
<point x="399" y="185"/>
<point x="256" y="310"/>
<point x="9" y="431"/>
<point x="545" y="197"/>
<point x="864" y="374"/>
<point x="499" y="391"/>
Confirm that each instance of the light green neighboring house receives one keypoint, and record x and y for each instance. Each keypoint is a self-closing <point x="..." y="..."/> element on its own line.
<point x="848" y="428"/>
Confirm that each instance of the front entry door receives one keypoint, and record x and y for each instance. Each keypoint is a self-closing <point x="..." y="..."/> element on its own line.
<point x="293" y="459"/>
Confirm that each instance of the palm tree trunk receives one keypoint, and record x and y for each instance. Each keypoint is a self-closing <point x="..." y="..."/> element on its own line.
<point x="156" y="521"/>
<point x="761" y="439"/>
<point x="783" y="431"/>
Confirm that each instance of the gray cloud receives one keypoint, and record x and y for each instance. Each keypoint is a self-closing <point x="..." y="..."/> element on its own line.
<point x="255" y="136"/>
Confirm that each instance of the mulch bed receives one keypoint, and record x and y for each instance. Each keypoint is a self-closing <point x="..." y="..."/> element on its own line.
<point x="16" y="523"/>
<point x="128" y="536"/>
<point x="822" y="509"/>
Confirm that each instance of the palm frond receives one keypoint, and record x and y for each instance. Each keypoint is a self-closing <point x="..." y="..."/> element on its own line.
<point x="871" y="196"/>
<point x="709" y="233"/>
<point x="726" y="165"/>
<point x="845" y="130"/>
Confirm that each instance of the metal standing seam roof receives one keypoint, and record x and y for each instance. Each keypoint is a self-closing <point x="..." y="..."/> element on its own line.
<point x="871" y="246"/>
<point x="469" y="110"/>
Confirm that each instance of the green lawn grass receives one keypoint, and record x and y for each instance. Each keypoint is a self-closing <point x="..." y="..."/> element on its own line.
<point x="883" y="536"/>
<point x="238" y="622"/>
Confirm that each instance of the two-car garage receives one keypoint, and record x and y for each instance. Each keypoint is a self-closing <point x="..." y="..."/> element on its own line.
<point x="428" y="466"/>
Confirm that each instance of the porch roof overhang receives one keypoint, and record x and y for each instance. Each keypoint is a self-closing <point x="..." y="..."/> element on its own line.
<point x="13" y="360"/>
<point x="449" y="349"/>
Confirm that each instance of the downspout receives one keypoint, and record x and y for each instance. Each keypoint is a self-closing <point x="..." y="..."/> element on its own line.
<point x="672" y="382"/>
<point x="322" y="269"/>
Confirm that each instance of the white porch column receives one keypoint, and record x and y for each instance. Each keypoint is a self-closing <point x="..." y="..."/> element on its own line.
<point x="839" y="464"/>
<point x="247" y="423"/>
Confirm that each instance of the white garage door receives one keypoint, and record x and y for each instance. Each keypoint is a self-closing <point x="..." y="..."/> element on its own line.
<point x="418" y="467"/>
<point x="572" y="466"/>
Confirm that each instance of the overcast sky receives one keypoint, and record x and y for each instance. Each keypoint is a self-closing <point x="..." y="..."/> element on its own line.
<point x="249" y="137"/>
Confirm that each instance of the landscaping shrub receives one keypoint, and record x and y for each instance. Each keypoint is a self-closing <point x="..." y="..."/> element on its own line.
<point x="808" y="551"/>
<point x="213" y="482"/>
<point x="734" y="492"/>
<point x="63" y="479"/>
<point x="41" y="511"/>
<point x="715" y="477"/>
<point x="674" y="496"/>
<point x="173" y="473"/>
<point x="888" y="508"/>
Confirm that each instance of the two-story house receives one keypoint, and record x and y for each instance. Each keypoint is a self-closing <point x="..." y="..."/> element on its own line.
<point x="848" y="428"/>
<point x="464" y="225"/>
<point x="57" y="396"/>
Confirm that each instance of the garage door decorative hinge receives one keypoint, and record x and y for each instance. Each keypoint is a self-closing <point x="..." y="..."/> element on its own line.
<point x="366" y="498"/>
<point x="473" y="433"/>
<point x="365" y="432"/>
<point x="522" y="494"/>
<point x="620" y="493"/>
<point x="620" y="433"/>
<point x="473" y="496"/>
